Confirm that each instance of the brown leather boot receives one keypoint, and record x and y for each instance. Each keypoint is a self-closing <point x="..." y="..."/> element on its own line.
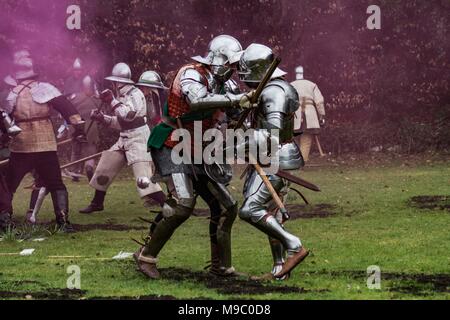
<point x="146" y="265"/>
<point x="270" y="275"/>
<point x="292" y="261"/>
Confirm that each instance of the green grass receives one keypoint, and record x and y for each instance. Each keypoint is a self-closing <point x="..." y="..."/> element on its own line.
<point x="373" y="225"/>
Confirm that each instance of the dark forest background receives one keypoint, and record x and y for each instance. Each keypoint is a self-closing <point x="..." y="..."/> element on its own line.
<point x="383" y="88"/>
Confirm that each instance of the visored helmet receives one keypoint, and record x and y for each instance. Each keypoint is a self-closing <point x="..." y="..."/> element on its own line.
<point x="151" y="79"/>
<point x="254" y="63"/>
<point x="121" y="73"/>
<point x="222" y="52"/>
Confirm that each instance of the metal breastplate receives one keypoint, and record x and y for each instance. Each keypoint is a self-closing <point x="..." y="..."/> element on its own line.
<point x="178" y="105"/>
<point x="276" y="110"/>
<point x="286" y="130"/>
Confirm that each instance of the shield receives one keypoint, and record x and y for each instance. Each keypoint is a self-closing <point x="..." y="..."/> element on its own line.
<point x="220" y="173"/>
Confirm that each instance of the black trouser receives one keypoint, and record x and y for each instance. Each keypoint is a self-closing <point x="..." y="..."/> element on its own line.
<point x="45" y="164"/>
<point x="5" y="196"/>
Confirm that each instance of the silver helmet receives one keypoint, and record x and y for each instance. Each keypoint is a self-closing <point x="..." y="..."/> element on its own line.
<point x="89" y="84"/>
<point x="299" y="73"/>
<point x="121" y="73"/>
<point x="77" y="64"/>
<point x="254" y="63"/>
<point x="223" y="50"/>
<point x="23" y="65"/>
<point x="151" y="79"/>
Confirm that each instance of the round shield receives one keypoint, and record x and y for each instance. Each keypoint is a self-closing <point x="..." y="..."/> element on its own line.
<point x="220" y="173"/>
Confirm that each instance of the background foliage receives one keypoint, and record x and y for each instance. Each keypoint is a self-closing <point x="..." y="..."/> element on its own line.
<point x="387" y="87"/>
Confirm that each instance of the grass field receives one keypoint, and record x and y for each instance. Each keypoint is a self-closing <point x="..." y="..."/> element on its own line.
<point x="367" y="218"/>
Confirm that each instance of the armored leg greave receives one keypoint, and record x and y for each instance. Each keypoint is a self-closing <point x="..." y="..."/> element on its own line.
<point x="60" y="200"/>
<point x="165" y="229"/>
<point x="254" y="210"/>
<point x="215" y="210"/>
<point x="278" y="251"/>
<point x="224" y="223"/>
<point x="224" y="236"/>
<point x="175" y="212"/>
<point x="270" y="226"/>
<point x="157" y="219"/>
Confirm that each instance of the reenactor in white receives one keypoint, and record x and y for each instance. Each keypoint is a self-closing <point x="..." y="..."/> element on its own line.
<point x="129" y="115"/>
<point x="310" y="117"/>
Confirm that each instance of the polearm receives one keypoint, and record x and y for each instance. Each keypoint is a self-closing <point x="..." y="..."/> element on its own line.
<point x="322" y="154"/>
<point x="269" y="186"/>
<point x="81" y="160"/>
<point x="259" y="170"/>
<point x="259" y="90"/>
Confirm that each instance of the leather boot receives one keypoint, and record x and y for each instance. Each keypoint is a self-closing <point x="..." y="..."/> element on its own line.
<point x="292" y="261"/>
<point x="60" y="200"/>
<point x="6" y="221"/>
<point x="146" y="265"/>
<point x="96" y="203"/>
<point x="92" y="207"/>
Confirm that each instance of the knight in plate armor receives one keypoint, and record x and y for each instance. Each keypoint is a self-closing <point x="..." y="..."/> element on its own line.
<point x="129" y="116"/>
<point x="275" y="110"/>
<point x="196" y="86"/>
<point x="34" y="148"/>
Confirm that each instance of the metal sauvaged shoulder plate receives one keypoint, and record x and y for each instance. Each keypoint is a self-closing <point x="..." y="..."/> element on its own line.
<point x="220" y="173"/>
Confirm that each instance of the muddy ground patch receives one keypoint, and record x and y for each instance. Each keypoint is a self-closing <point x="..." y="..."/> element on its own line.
<point x="47" y="294"/>
<point x="430" y="202"/>
<point x="242" y="285"/>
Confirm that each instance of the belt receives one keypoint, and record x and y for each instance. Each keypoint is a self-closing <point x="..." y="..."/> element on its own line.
<point x="32" y="119"/>
<point x="130" y="125"/>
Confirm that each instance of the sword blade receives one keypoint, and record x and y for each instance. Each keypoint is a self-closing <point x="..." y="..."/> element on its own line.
<point x="299" y="181"/>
